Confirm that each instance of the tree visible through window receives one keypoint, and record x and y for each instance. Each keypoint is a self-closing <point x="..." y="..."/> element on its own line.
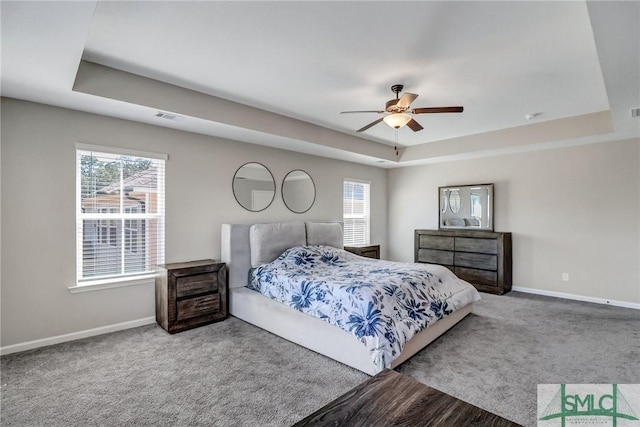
<point x="120" y="215"/>
<point x="356" y="212"/>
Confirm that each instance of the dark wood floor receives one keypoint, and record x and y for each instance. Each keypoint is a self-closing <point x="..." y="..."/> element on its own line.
<point x="393" y="399"/>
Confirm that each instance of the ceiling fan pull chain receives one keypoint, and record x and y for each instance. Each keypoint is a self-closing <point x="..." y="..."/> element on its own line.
<point x="395" y="147"/>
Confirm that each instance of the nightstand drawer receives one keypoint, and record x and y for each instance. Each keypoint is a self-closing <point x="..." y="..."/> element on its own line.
<point x="370" y="254"/>
<point x="196" y="284"/>
<point x="367" y="251"/>
<point x="199" y="306"/>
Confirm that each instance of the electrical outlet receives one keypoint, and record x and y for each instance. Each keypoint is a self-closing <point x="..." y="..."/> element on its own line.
<point x="565" y="277"/>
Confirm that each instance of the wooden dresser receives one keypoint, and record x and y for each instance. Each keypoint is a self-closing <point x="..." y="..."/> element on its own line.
<point x="482" y="258"/>
<point x="368" y="251"/>
<point x="190" y="294"/>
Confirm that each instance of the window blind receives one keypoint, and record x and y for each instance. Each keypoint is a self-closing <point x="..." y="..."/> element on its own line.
<point x="356" y="212"/>
<point x="120" y="215"/>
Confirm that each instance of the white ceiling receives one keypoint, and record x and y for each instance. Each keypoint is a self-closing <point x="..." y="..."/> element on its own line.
<point x="301" y="63"/>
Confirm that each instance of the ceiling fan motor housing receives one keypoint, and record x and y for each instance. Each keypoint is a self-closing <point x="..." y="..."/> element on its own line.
<point x="391" y="106"/>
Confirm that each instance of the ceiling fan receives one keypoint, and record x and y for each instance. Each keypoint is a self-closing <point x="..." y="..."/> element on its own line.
<point x="398" y="109"/>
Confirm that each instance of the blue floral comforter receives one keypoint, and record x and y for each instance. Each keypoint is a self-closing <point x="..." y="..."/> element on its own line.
<point x="382" y="303"/>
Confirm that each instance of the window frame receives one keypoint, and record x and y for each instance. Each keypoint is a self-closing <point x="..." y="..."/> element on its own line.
<point x="123" y="279"/>
<point x="366" y="215"/>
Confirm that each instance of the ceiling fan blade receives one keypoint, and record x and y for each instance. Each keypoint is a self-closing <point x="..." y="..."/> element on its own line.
<point x="437" y="110"/>
<point x="370" y="125"/>
<point x="414" y="126"/>
<point x="406" y="100"/>
<point x="362" y="111"/>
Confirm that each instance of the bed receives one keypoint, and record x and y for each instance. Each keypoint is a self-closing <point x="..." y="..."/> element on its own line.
<point x="249" y="250"/>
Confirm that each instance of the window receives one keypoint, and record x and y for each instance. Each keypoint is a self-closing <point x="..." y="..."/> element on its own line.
<point x="355" y="212"/>
<point x="120" y="214"/>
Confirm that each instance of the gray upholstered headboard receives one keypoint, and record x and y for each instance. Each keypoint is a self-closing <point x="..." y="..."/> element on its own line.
<point x="245" y="244"/>
<point x="236" y="252"/>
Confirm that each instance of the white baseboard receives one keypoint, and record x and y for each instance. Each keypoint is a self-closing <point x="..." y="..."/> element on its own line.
<point x="29" y="345"/>
<point x="577" y="297"/>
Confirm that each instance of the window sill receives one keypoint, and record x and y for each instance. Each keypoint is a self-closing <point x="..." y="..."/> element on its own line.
<point x="98" y="285"/>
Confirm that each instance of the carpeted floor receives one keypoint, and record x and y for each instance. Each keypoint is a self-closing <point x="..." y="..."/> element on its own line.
<point x="234" y="374"/>
<point x="514" y="342"/>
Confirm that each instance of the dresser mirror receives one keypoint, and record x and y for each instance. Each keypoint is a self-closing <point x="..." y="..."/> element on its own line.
<point x="298" y="191"/>
<point x="254" y="187"/>
<point x="468" y="207"/>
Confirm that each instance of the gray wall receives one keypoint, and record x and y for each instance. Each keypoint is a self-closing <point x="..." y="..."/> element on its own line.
<point x="572" y="210"/>
<point x="38" y="210"/>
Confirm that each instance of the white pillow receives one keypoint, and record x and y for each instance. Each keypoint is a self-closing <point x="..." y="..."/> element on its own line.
<point x="471" y="222"/>
<point x="325" y="233"/>
<point x="269" y="241"/>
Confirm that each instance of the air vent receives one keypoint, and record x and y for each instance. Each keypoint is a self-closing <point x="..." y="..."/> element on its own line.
<point x="532" y="116"/>
<point x="635" y="112"/>
<point x="169" y="116"/>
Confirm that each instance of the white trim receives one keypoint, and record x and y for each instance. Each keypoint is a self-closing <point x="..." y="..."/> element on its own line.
<point x="30" y="345"/>
<point x="554" y="294"/>
<point x="122" y="151"/>
<point x="359" y="181"/>
<point x="98" y="285"/>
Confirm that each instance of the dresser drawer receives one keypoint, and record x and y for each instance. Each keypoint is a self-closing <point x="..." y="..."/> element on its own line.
<point x="196" y="284"/>
<point x="434" y="256"/>
<point x="436" y="242"/>
<point x="481" y="261"/>
<point x="198" y="306"/>
<point x="484" y="246"/>
<point x="481" y="277"/>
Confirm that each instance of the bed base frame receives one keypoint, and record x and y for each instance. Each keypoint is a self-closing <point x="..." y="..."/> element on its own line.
<point x="307" y="331"/>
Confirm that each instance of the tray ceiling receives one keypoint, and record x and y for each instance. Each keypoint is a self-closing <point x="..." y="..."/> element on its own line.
<point x="279" y="73"/>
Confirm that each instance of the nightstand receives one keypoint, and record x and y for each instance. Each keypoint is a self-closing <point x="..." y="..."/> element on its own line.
<point x="368" y="251"/>
<point x="190" y="294"/>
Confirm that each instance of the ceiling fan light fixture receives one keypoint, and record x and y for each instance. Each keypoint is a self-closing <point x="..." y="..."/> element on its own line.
<point x="397" y="120"/>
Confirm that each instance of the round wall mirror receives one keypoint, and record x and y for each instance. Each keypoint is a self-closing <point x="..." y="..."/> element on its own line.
<point x="254" y="187"/>
<point x="454" y="201"/>
<point x="444" y="202"/>
<point x="298" y="191"/>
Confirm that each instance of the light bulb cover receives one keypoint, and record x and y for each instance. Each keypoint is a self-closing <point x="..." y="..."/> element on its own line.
<point x="397" y="120"/>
